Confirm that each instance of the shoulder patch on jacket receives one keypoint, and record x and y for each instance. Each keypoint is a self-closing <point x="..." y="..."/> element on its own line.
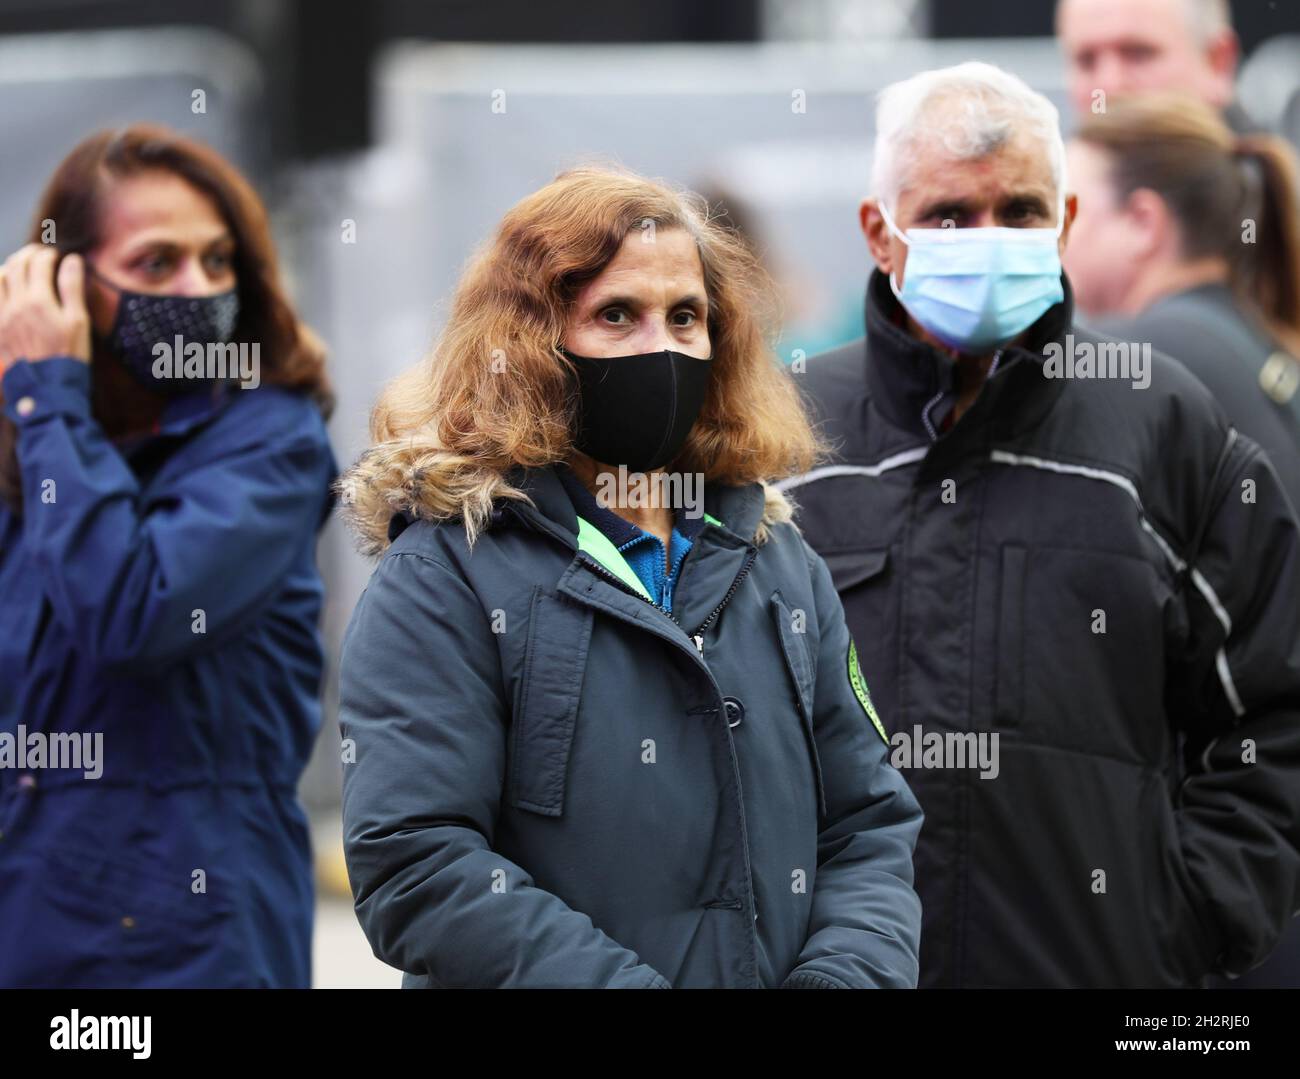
<point x="859" y="685"/>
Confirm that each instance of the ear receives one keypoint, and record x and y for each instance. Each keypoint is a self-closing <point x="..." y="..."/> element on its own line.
<point x="880" y="241"/>
<point x="1151" y="225"/>
<point x="1222" y="52"/>
<point x="1071" y="212"/>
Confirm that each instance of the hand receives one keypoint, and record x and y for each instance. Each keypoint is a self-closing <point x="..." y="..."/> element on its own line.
<point x="39" y="316"/>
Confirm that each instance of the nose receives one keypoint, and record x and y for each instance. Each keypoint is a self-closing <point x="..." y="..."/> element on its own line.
<point x="1110" y="74"/>
<point x="193" y="279"/>
<point x="656" y="335"/>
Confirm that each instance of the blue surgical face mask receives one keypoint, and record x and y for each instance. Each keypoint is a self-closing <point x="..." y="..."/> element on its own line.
<point x="976" y="289"/>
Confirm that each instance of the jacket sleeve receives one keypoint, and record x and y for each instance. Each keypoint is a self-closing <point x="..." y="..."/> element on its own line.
<point x="865" y="926"/>
<point x="1239" y="812"/>
<point x="424" y="719"/>
<point x="144" y="582"/>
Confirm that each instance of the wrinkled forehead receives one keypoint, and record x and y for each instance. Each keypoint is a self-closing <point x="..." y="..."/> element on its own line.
<point x="948" y="155"/>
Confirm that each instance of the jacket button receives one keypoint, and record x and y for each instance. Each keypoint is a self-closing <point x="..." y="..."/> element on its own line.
<point x="25" y="406"/>
<point x="733" y="710"/>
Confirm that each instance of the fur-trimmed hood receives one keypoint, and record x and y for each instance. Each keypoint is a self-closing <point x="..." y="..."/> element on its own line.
<point x="378" y="502"/>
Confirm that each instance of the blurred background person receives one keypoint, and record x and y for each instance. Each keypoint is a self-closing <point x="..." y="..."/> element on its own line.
<point x="1123" y="47"/>
<point x="813" y="320"/>
<point x="1187" y="239"/>
<point x="158" y="581"/>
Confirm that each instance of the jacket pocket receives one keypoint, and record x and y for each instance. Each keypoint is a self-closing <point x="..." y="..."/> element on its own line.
<point x="1010" y="691"/>
<point x="852" y="568"/>
<point x="176" y="937"/>
<point x="550" y="690"/>
<point x="113" y="922"/>
<point x="803" y="674"/>
<point x="1190" y="945"/>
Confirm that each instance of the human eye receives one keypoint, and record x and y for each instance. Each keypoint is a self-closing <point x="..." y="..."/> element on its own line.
<point x="154" y="263"/>
<point x="219" y="261"/>
<point x="1023" y="213"/>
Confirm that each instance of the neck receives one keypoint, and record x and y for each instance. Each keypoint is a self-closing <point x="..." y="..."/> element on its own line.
<point x="1166" y="279"/>
<point x="971" y="369"/>
<point x="657" y="520"/>
<point x="122" y="406"/>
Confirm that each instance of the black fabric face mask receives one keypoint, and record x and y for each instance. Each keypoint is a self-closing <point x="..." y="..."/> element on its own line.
<point x="637" y="410"/>
<point x="143" y="320"/>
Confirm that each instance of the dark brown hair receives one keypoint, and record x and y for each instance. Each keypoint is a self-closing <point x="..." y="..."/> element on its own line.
<point x="1213" y="183"/>
<point x="74" y="199"/>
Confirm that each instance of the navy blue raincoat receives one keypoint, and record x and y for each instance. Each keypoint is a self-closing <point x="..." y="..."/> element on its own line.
<point x="159" y="598"/>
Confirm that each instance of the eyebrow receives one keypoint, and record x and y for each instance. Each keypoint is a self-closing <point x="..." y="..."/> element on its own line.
<point x="1031" y="199"/>
<point x="943" y="208"/>
<point x="955" y="207"/>
<point x="691" y="299"/>
<point x="138" y="247"/>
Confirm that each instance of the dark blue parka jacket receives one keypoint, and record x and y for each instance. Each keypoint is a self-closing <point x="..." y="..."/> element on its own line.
<point x="549" y="782"/>
<point x="165" y="597"/>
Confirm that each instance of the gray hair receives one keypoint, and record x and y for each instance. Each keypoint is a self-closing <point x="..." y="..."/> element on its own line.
<point x="971" y="110"/>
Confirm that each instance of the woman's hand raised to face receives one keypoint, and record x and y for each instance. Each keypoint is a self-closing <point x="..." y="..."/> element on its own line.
<point x="41" y="314"/>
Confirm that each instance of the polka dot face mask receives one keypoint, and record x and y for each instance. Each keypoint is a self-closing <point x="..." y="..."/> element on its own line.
<point x="164" y="340"/>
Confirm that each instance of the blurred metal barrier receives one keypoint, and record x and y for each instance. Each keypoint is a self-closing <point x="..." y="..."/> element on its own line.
<point x="1269" y="86"/>
<point x="57" y="88"/>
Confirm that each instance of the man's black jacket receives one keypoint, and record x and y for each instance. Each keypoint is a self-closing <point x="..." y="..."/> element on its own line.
<point x="1108" y="579"/>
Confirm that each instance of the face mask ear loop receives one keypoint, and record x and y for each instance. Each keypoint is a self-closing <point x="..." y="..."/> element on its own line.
<point x="91" y="271"/>
<point x="889" y="222"/>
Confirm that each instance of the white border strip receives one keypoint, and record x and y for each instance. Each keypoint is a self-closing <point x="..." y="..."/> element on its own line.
<point x="898" y="460"/>
<point x="1202" y="585"/>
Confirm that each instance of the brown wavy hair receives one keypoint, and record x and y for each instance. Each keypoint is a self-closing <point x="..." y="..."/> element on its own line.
<point x="1213" y="180"/>
<point x="74" y="198"/>
<point x="495" y="391"/>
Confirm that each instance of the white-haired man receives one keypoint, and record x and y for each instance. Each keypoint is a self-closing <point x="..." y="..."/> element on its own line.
<point x="1117" y="47"/>
<point x="1072" y="585"/>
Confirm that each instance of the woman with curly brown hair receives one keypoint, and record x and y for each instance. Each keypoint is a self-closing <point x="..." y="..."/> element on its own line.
<point x="603" y="722"/>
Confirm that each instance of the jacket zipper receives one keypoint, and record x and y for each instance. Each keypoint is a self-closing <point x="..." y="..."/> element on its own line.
<point x="671" y="583"/>
<point x="698" y="636"/>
